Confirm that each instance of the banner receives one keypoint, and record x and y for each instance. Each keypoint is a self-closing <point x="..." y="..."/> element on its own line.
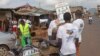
<point x="61" y="8"/>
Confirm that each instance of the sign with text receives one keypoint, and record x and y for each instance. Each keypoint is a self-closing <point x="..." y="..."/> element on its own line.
<point x="61" y="8"/>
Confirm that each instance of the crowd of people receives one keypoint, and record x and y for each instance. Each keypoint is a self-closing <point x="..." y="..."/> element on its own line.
<point x="67" y="34"/>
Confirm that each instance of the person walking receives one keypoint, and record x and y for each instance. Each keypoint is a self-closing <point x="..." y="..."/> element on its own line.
<point x="67" y="37"/>
<point x="24" y="31"/>
<point x="90" y="20"/>
<point x="79" y="23"/>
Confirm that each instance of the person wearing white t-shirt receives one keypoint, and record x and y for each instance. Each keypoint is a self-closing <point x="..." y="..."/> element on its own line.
<point x="90" y="19"/>
<point x="79" y="23"/>
<point x="67" y="37"/>
<point x="52" y="29"/>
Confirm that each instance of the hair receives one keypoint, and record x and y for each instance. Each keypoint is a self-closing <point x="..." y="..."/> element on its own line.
<point x="55" y="16"/>
<point x="67" y="17"/>
<point x="22" y="21"/>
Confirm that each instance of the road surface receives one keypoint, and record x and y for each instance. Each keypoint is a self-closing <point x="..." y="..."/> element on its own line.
<point x="91" y="39"/>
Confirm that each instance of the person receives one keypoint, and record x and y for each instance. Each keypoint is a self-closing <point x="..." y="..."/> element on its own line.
<point x="52" y="29"/>
<point x="67" y="37"/>
<point x="23" y="17"/>
<point x="24" y="31"/>
<point x="79" y="23"/>
<point x="14" y="27"/>
<point x="90" y="19"/>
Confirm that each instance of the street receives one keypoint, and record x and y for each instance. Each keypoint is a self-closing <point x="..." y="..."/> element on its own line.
<point x="91" y="37"/>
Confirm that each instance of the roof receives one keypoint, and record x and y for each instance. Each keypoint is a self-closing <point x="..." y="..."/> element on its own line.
<point x="27" y="9"/>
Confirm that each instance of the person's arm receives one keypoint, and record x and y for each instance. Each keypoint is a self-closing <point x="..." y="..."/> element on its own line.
<point x="77" y="37"/>
<point x="76" y="42"/>
<point x="59" y="37"/>
<point x="50" y="29"/>
<point x="30" y="28"/>
<point x="59" y="43"/>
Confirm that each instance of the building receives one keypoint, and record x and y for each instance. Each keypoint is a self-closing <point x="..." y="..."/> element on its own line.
<point x="5" y="13"/>
<point x="74" y="9"/>
<point x="98" y="10"/>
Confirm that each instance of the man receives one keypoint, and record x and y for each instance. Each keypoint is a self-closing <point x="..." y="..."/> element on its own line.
<point x="79" y="23"/>
<point x="52" y="31"/>
<point x="90" y="19"/>
<point x="24" y="30"/>
<point x="67" y="37"/>
<point x="53" y="28"/>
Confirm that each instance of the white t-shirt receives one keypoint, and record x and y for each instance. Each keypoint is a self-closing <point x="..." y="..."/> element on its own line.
<point x="28" y="21"/>
<point x="67" y="33"/>
<point x="90" y="18"/>
<point x="79" y="23"/>
<point x="51" y="27"/>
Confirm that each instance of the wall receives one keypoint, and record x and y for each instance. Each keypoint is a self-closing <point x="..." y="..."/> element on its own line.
<point x="4" y="14"/>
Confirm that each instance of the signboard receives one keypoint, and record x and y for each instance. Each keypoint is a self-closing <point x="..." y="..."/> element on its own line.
<point x="61" y="8"/>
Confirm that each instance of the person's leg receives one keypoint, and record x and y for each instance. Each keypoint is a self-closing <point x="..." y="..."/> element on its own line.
<point x="28" y="41"/>
<point x="49" y="38"/>
<point x="23" y="41"/>
<point x="78" y="50"/>
<point x="89" y="21"/>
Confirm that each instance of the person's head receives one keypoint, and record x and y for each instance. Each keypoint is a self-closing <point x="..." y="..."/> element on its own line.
<point x="22" y="22"/>
<point x="67" y="17"/>
<point x="55" y="17"/>
<point x="90" y="16"/>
